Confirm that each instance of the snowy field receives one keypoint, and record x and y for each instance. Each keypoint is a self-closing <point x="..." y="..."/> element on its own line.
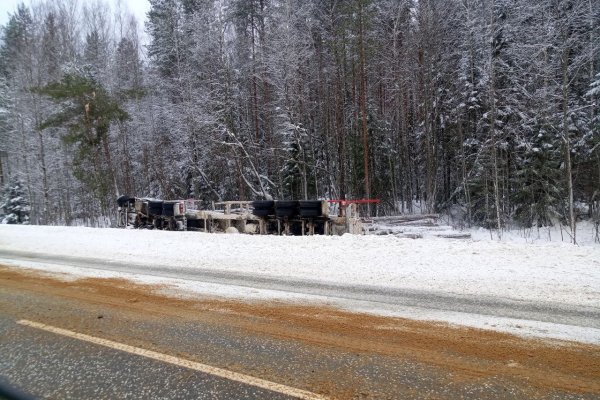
<point x="539" y="272"/>
<point x="586" y="235"/>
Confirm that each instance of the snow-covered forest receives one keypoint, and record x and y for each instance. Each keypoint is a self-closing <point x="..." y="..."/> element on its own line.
<point x="484" y="108"/>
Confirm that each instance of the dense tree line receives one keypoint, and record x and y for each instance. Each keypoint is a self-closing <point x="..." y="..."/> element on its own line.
<point x="486" y="109"/>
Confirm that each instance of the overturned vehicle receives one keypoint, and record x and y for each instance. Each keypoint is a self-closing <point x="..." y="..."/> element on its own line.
<point x="151" y="213"/>
<point x="284" y="217"/>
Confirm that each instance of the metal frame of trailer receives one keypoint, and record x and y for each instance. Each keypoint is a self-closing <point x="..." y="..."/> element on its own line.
<point x="279" y="218"/>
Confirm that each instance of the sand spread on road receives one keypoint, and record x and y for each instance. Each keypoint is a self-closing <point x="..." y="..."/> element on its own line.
<point x="464" y="352"/>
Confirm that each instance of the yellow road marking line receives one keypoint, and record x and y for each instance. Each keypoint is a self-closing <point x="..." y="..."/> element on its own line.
<point x="207" y="369"/>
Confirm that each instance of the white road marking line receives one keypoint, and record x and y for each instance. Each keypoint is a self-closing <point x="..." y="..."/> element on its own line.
<point x="207" y="369"/>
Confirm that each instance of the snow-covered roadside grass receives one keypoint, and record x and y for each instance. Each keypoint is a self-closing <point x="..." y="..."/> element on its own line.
<point x="586" y="234"/>
<point x="544" y="271"/>
<point x="555" y="272"/>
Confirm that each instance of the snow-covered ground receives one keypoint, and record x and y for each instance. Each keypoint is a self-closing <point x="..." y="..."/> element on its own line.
<point x="585" y="234"/>
<point x="539" y="272"/>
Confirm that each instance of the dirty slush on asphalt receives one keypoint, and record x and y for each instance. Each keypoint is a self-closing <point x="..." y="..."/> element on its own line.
<point x="459" y="356"/>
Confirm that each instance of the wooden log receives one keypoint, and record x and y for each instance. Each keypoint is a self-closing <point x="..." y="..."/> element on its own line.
<point x="409" y="235"/>
<point x="407" y="217"/>
<point x="458" y="235"/>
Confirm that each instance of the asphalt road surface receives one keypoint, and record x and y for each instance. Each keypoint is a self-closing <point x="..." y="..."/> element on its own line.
<point x="106" y="339"/>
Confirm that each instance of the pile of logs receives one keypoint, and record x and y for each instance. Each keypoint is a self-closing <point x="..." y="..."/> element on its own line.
<point x="412" y="226"/>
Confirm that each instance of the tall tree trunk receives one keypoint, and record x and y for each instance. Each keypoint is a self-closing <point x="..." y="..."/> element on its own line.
<point x="363" y="103"/>
<point x="493" y="134"/>
<point x="567" y="143"/>
<point x="45" y="210"/>
<point x="592" y="71"/>
<point x="465" y="178"/>
<point x="45" y="189"/>
<point x="24" y="152"/>
<point x="254" y="85"/>
<point x="341" y="136"/>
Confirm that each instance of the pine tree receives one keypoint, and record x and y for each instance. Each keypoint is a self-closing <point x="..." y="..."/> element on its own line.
<point x="88" y="111"/>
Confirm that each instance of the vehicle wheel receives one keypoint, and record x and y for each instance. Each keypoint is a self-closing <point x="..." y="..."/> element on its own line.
<point x="263" y="204"/>
<point x="315" y="204"/>
<point x="286" y="208"/>
<point x="286" y="212"/>
<point x="262" y="213"/>
<point x="263" y="208"/>
<point x="168" y="208"/>
<point x="155" y="207"/>
<point x="286" y="204"/>
<point x="310" y="212"/>
<point x="123" y="200"/>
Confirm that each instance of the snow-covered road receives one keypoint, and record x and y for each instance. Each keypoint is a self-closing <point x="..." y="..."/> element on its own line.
<point x="548" y="289"/>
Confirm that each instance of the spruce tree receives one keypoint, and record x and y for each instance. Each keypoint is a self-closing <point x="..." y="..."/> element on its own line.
<point x="538" y="196"/>
<point x="14" y="204"/>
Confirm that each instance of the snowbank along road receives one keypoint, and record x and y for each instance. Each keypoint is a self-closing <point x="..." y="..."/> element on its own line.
<point x="550" y="290"/>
